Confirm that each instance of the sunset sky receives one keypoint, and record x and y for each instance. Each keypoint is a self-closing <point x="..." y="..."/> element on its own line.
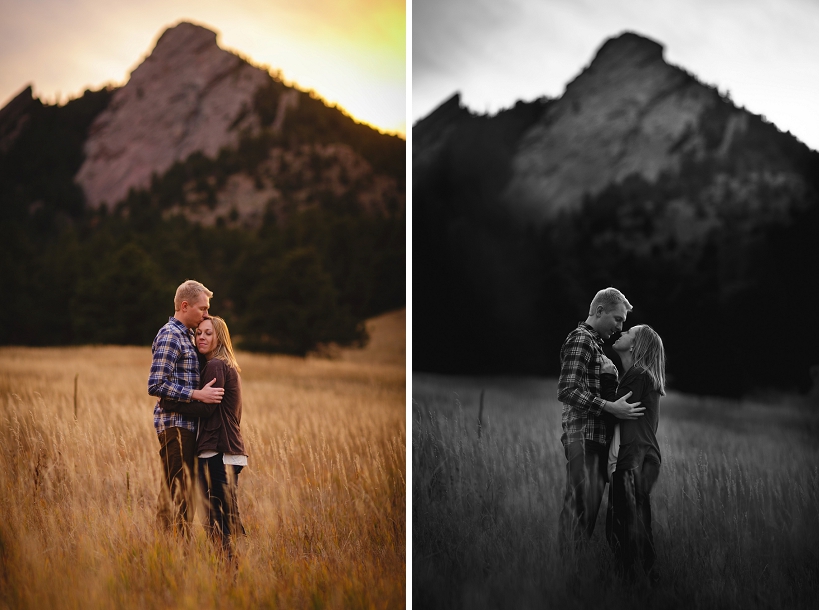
<point x="351" y="52"/>
<point x="495" y="52"/>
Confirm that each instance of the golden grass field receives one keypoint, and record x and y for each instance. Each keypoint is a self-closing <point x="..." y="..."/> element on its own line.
<point x="735" y="510"/>
<point x="322" y="500"/>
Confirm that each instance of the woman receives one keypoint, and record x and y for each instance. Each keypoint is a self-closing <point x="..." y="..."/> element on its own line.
<point x="220" y="447"/>
<point x="636" y="454"/>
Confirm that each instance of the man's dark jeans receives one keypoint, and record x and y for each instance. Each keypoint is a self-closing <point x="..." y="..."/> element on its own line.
<point x="220" y="484"/>
<point x="175" y="506"/>
<point x="585" y="481"/>
<point x="628" y="522"/>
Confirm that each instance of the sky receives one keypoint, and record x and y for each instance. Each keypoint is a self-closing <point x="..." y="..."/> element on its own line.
<point x="351" y="52"/>
<point x="763" y="53"/>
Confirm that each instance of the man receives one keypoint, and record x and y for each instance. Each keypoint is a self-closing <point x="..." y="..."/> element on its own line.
<point x="584" y="435"/>
<point x="175" y="376"/>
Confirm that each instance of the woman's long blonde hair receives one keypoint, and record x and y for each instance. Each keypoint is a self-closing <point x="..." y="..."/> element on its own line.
<point x="224" y="347"/>
<point x="649" y="354"/>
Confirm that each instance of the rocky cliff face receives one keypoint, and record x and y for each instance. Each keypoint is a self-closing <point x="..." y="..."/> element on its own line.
<point x="628" y="113"/>
<point x="188" y="95"/>
<point x="202" y="133"/>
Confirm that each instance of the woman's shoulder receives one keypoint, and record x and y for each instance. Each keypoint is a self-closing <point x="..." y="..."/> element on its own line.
<point x="217" y="364"/>
<point x="641" y="377"/>
<point x="638" y="371"/>
<point x="635" y="375"/>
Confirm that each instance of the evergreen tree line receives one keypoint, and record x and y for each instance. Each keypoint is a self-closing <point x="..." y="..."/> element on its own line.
<point x="76" y="276"/>
<point x="491" y="299"/>
<point x="285" y="289"/>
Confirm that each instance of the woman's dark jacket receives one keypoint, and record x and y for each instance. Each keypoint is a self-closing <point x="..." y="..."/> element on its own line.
<point x="219" y="424"/>
<point x="638" y="437"/>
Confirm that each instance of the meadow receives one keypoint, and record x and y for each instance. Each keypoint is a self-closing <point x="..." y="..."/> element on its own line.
<point x="322" y="499"/>
<point x="735" y="510"/>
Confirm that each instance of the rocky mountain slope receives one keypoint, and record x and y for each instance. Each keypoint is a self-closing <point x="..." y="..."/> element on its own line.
<point x="190" y="97"/>
<point x="629" y="113"/>
<point x="640" y="176"/>
<point x="187" y="96"/>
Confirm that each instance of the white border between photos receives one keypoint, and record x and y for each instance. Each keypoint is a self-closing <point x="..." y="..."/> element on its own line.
<point x="408" y="330"/>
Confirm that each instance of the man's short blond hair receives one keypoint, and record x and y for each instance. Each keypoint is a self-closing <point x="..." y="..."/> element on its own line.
<point x="189" y="291"/>
<point x="609" y="298"/>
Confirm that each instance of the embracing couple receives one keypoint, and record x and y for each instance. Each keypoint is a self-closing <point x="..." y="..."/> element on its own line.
<point x="195" y="376"/>
<point x="607" y="439"/>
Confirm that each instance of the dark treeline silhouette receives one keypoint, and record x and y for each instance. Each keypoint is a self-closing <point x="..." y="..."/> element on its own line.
<point x="723" y="285"/>
<point x="72" y="275"/>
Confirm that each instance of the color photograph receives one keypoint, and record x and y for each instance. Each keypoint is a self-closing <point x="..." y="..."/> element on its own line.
<point x="203" y="360"/>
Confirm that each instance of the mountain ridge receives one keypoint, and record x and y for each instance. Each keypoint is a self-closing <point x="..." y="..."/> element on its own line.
<point x="190" y="98"/>
<point x="187" y="96"/>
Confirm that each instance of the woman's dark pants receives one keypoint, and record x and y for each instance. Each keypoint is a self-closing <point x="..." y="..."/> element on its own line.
<point x="220" y="484"/>
<point x="628" y="522"/>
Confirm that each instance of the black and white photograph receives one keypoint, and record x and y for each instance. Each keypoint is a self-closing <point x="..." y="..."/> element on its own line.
<point x="615" y="383"/>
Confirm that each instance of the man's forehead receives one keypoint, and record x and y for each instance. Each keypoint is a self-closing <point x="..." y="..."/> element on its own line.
<point x="619" y="310"/>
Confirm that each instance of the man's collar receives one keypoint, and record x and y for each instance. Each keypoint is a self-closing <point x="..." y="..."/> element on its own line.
<point x="176" y="322"/>
<point x="591" y="330"/>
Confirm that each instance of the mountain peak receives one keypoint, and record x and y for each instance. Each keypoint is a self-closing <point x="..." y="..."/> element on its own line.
<point x="188" y="95"/>
<point x="629" y="47"/>
<point x="184" y="37"/>
<point x="628" y="113"/>
<point x="444" y="113"/>
<point x="14" y="116"/>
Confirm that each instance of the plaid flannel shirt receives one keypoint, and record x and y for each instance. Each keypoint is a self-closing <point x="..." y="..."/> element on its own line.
<point x="174" y="373"/>
<point x="579" y="387"/>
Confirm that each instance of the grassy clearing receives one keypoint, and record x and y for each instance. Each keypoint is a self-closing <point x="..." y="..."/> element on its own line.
<point x="736" y="508"/>
<point x="323" y="498"/>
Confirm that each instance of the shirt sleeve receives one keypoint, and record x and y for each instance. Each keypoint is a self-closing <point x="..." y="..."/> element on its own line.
<point x="193" y="408"/>
<point x="608" y="386"/>
<point x="572" y="386"/>
<point x="166" y="353"/>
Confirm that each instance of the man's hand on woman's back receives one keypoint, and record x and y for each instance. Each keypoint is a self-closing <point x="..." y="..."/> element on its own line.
<point x="209" y="394"/>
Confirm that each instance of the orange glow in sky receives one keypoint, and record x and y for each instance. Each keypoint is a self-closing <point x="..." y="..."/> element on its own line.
<point x="351" y="52"/>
